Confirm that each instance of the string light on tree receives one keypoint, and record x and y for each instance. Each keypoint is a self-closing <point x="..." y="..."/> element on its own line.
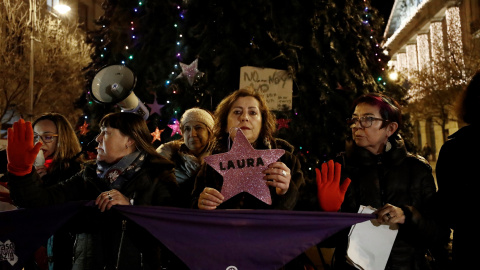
<point x="366" y="21"/>
<point x="178" y="55"/>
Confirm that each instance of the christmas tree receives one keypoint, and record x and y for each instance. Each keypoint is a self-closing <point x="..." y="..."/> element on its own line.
<point x="143" y="37"/>
<point x="189" y="54"/>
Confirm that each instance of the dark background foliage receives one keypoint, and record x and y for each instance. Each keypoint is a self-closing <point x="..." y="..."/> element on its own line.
<point x="331" y="48"/>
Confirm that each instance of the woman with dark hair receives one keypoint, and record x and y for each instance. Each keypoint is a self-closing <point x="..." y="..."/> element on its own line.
<point x="247" y="110"/>
<point x="128" y="170"/>
<point x="457" y="178"/>
<point x="385" y="176"/>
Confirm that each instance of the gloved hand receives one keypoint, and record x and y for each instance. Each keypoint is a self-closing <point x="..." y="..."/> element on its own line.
<point x="21" y="152"/>
<point x="329" y="191"/>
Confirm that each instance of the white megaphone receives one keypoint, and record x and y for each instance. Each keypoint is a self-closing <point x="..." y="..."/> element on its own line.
<point x="115" y="84"/>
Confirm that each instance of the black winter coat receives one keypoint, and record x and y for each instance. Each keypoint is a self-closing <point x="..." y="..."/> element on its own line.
<point x="458" y="186"/>
<point x="154" y="184"/>
<point x="400" y="179"/>
<point x="60" y="173"/>
<point x="186" y="168"/>
<point x="208" y="177"/>
<point x="63" y="240"/>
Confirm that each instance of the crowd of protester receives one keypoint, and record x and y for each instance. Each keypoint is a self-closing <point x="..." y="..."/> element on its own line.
<point x="44" y="165"/>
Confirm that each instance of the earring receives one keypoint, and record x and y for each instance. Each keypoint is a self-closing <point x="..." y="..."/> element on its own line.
<point x="388" y="146"/>
<point x="126" y="146"/>
<point x="232" y="129"/>
<point x="230" y="136"/>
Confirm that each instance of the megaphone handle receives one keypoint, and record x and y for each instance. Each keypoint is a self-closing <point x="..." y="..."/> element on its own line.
<point x="141" y="109"/>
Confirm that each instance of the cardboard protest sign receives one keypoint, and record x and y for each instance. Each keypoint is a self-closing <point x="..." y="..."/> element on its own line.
<point x="274" y="84"/>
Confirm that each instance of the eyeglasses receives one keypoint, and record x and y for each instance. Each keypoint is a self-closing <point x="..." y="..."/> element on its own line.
<point x="46" y="138"/>
<point x="365" y="121"/>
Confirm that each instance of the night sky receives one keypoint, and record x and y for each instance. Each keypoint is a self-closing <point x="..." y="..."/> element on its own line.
<point x="384" y="7"/>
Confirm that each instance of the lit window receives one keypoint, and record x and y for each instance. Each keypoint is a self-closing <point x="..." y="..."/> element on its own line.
<point x="52" y="3"/>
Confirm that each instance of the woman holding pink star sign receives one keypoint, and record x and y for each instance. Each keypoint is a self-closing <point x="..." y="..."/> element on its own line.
<point x="229" y="179"/>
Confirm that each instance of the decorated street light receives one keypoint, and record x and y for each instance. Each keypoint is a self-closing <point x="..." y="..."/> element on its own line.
<point x="62" y="8"/>
<point x="393" y="75"/>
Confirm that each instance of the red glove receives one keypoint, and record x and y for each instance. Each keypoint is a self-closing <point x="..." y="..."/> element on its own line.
<point x="21" y="152"/>
<point x="329" y="191"/>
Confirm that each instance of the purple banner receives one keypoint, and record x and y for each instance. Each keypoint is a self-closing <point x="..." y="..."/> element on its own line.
<point x="23" y="231"/>
<point x="245" y="239"/>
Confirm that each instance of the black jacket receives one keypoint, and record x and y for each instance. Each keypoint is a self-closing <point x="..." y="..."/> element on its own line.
<point x="458" y="186"/>
<point x="154" y="184"/>
<point x="3" y="165"/>
<point x="61" y="172"/>
<point x="63" y="239"/>
<point x="186" y="168"/>
<point x="208" y="177"/>
<point x="400" y="179"/>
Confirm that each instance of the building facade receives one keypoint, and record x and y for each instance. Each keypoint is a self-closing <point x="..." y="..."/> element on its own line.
<point x="85" y="12"/>
<point x="420" y="34"/>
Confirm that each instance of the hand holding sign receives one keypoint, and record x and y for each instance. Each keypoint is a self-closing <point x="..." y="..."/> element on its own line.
<point x="242" y="169"/>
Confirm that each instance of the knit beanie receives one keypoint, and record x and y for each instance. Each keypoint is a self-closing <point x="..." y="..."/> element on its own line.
<point x="199" y="115"/>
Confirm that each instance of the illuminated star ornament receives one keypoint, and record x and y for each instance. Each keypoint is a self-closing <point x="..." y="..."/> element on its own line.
<point x="283" y="123"/>
<point x="156" y="134"/>
<point x="242" y="168"/>
<point x="189" y="71"/>
<point x="155" y="107"/>
<point x="175" y="128"/>
<point x="84" y="128"/>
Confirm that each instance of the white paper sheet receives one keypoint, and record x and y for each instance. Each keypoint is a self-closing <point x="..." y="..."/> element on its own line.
<point x="6" y="207"/>
<point x="369" y="243"/>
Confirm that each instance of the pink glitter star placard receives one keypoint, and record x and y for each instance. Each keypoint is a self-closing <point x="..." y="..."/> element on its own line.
<point x="242" y="167"/>
<point x="175" y="128"/>
<point x="189" y="71"/>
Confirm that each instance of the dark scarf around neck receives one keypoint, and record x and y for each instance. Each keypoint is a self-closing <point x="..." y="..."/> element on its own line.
<point x="119" y="173"/>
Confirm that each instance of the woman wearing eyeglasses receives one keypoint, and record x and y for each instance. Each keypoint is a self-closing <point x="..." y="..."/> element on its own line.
<point x="385" y="176"/>
<point x="60" y="148"/>
<point x="59" y="159"/>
